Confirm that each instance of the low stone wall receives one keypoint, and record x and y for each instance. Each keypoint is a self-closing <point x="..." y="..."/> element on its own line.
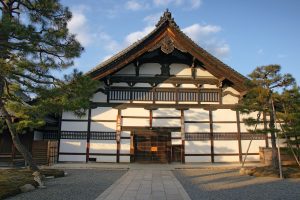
<point x="265" y="155"/>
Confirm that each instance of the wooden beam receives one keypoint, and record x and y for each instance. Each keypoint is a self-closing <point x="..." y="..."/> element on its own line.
<point x="88" y="136"/>
<point x="182" y="137"/>
<point x="211" y="136"/>
<point x="118" y="134"/>
<point x="265" y="127"/>
<point x="238" y="121"/>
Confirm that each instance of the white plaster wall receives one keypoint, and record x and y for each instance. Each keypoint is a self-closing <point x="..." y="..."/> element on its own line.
<point x="72" y="146"/>
<point x="228" y="99"/>
<point x="230" y="89"/>
<point x="197" y="127"/>
<point x="224" y="115"/>
<point x="226" y="158"/>
<point x="72" y="158"/>
<point x="192" y="159"/>
<point x="197" y="147"/>
<point x="245" y="128"/>
<point x="142" y="85"/>
<point x="196" y="115"/>
<point x="150" y="69"/>
<point x="109" y="159"/>
<point x="176" y="141"/>
<point x="165" y="85"/>
<point x="254" y="148"/>
<point x="180" y="70"/>
<point x="74" y="126"/>
<point x="120" y="85"/>
<point x="128" y="70"/>
<point x="99" y="97"/>
<point x="135" y="112"/>
<point x="188" y="86"/>
<point x="200" y="72"/>
<point x="124" y="159"/>
<point x="175" y="134"/>
<point x="222" y="127"/>
<point x="103" y="126"/>
<point x="125" y="146"/>
<point x="166" y="112"/>
<point x="103" y="146"/>
<point x="104" y="113"/>
<point x="71" y="115"/>
<point x="251" y="158"/>
<point x="209" y="86"/>
<point x="37" y="135"/>
<point x="165" y="102"/>
<point x="125" y="134"/>
<point x="166" y="123"/>
<point x="226" y="146"/>
<point x="135" y="122"/>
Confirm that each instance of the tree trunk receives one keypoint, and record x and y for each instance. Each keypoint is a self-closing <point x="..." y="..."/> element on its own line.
<point x="14" y="135"/>
<point x="275" y="161"/>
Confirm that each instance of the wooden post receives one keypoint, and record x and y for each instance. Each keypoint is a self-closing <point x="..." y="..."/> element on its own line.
<point x="88" y="137"/>
<point x="239" y="136"/>
<point x="150" y="118"/>
<point x="182" y="136"/>
<point x="211" y="137"/>
<point x="59" y="136"/>
<point x="118" y="135"/>
<point x="265" y="127"/>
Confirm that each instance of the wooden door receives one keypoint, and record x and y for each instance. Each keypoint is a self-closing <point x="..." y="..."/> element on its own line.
<point x="152" y="147"/>
<point x="176" y="153"/>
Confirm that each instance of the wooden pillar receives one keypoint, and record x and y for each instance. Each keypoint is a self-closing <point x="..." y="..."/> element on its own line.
<point x="238" y="121"/>
<point x="118" y="135"/>
<point x="265" y="127"/>
<point x="150" y="118"/>
<point x="211" y="137"/>
<point x="59" y="136"/>
<point x="182" y="136"/>
<point x="88" y="137"/>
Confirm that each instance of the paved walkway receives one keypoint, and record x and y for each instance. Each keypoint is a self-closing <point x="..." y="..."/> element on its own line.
<point x="146" y="183"/>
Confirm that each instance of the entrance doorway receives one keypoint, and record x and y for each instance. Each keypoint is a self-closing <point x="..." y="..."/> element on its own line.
<point x="154" y="147"/>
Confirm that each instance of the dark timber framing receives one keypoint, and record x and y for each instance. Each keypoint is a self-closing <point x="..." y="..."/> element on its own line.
<point x="239" y="135"/>
<point x="88" y="135"/>
<point x="118" y="134"/>
<point x="211" y="127"/>
<point x="182" y="136"/>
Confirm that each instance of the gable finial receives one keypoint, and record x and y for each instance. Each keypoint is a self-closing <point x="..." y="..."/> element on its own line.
<point x="167" y="16"/>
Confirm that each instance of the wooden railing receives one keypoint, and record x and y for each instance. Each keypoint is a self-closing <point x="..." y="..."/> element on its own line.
<point x="163" y="94"/>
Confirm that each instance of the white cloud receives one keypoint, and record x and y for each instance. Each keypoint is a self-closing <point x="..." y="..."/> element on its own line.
<point x="133" y="5"/>
<point x="260" y="51"/>
<point x="190" y="4"/>
<point x="204" y="36"/>
<point x="195" y="3"/>
<point x="78" y="25"/>
<point x="197" y="31"/>
<point x="134" y="36"/>
<point x="152" y="19"/>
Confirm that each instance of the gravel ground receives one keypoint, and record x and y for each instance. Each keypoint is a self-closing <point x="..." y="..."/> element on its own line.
<point x="81" y="184"/>
<point x="227" y="184"/>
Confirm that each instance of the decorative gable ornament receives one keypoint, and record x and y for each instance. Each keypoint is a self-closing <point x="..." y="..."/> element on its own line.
<point x="167" y="45"/>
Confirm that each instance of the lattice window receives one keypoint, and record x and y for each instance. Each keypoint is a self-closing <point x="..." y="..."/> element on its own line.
<point x="197" y="136"/>
<point x="225" y="136"/>
<point x="249" y="136"/>
<point x="78" y="135"/>
<point x="103" y="136"/>
<point x="50" y="135"/>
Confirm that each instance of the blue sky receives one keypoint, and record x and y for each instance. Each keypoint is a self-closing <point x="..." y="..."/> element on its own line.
<point x="243" y="34"/>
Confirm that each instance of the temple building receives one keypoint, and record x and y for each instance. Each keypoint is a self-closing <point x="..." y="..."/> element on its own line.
<point x="163" y="99"/>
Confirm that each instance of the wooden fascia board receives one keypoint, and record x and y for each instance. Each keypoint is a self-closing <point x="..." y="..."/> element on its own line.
<point x="131" y="57"/>
<point x="212" y="66"/>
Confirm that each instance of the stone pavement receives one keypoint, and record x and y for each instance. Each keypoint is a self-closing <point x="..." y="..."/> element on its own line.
<point x="146" y="183"/>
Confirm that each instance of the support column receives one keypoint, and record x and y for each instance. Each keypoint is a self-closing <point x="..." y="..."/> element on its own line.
<point x="59" y="137"/>
<point x="182" y="136"/>
<point x="150" y="118"/>
<point x="88" y="137"/>
<point x="211" y="137"/>
<point x="118" y="135"/>
<point x="239" y="136"/>
<point x="265" y="127"/>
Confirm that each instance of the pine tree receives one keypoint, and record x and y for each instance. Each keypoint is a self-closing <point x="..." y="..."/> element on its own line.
<point x="263" y="86"/>
<point x="35" y="42"/>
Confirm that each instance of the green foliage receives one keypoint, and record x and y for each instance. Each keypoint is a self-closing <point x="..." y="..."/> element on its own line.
<point x="35" y="42"/>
